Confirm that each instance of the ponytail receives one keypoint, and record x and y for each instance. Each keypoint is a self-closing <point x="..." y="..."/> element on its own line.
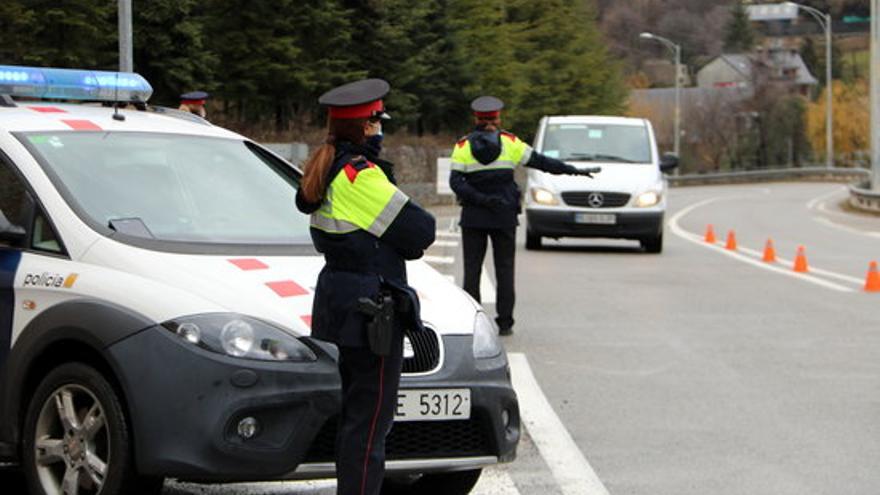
<point x="317" y="167"/>
<point x="315" y="170"/>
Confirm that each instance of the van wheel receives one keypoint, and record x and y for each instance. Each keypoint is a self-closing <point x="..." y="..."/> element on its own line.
<point x="452" y="483"/>
<point x="76" y="439"/>
<point x="533" y="242"/>
<point x="653" y="245"/>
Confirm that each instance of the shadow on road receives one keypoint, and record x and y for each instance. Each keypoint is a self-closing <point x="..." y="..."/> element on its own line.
<point x="563" y="248"/>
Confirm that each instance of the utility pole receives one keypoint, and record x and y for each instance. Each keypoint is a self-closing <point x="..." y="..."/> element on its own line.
<point x="126" y="49"/>
<point x="875" y="95"/>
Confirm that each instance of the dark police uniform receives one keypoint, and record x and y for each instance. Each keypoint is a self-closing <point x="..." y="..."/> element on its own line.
<point x="483" y="165"/>
<point x="366" y="228"/>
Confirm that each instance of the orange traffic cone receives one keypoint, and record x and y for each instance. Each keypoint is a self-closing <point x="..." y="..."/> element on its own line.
<point x="872" y="283"/>
<point x="769" y="252"/>
<point x="731" y="241"/>
<point x="800" y="262"/>
<point x="710" y="234"/>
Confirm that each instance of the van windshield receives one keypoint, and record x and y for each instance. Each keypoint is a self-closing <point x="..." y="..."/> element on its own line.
<point x="597" y="143"/>
<point x="178" y="188"/>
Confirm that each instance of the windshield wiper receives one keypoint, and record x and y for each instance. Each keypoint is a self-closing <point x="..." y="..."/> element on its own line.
<point x="131" y="226"/>
<point x="598" y="157"/>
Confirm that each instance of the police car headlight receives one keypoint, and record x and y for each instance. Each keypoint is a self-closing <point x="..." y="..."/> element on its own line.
<point x="544" y="197"/>
<point x="240" y="336"/>
<point x="486" y="343"/>
<point x="646" y="199"/>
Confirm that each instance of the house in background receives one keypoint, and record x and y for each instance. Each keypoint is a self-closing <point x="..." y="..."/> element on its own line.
<point x="779" y="66"/>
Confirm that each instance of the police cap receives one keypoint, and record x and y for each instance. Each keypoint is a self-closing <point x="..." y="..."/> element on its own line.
<point x="357" y="100"/>
<point x="195" y="96"/>
<point x="487" y="106"/>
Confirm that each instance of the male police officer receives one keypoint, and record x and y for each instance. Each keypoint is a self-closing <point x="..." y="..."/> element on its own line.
<point x="483" y="163"/>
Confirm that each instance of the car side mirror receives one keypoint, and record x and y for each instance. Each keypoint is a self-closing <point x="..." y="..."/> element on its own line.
<point x="10" y="234"/>
<point x="668" y="162"/>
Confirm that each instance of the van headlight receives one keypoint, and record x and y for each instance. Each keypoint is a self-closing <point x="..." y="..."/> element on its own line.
<point x="486" y="343"/>
<point x="544" y="197"/>
<point x="239" y="336"/>
<point x="648" y="198"/>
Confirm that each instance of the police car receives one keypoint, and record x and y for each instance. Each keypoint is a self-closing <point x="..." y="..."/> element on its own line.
<point x="156" y="286"/>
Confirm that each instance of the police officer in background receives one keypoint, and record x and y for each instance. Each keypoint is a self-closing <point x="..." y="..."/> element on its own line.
<point x="366" y="228"/>
<point x="483" y="163"/>
<point x="194" y="102"/>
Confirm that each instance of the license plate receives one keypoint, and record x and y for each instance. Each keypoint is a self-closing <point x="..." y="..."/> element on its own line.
<point x="433" y="405"/>
<point x="596" y="218"/>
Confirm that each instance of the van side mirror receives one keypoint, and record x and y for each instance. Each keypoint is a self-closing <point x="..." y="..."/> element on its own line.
<point x="668" y="162"/>
<point x="10" y="234"/>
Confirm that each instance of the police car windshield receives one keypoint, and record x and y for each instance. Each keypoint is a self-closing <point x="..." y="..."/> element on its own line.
<point x="597" y="143"/>
<point x="174" y="187"/>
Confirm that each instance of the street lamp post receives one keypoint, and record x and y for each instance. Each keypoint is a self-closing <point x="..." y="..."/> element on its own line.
<point x="824" y="21"/>
<point x="676" y="51"/>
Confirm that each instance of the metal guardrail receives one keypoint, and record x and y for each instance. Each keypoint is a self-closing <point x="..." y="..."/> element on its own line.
<point x="805" y="173"/>
<point x="864" y="199"/>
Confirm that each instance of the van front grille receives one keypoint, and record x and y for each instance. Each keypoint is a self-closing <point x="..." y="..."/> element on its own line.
<point x="595" y="199"/>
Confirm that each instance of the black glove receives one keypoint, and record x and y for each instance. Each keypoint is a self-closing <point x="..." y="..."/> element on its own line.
<point x="586" y="172"/>
<point x="495" y="203"/>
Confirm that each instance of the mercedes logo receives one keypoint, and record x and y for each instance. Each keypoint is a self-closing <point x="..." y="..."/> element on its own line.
<point x="595" y="200"/>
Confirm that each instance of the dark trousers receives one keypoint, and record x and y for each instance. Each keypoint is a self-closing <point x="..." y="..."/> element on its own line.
<point x="474" y="243"/>
<point x="369" y="399"/>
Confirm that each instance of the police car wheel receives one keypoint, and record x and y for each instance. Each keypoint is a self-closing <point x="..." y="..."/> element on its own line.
<point x="533" y="242"/>
<point x="452" y="483"/>
<point x="76" y="439"/>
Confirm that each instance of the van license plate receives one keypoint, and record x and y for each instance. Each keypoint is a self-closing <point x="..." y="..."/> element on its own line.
<point x="595" y="218"/>
<point x="433" y="405"/>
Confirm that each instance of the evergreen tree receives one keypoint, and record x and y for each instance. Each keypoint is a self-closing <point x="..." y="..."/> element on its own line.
<point x="420" y="63"/>
<point x="59" y="33"/>
<point x="738" y="34"/>
<point x="278" y="55"/>
<point x="170" y="49"/>
<point x="562" y="67"/>
<point x="483" y="47"/>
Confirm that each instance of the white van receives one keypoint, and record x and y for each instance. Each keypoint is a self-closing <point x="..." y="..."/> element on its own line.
<point x="627" y="200"/>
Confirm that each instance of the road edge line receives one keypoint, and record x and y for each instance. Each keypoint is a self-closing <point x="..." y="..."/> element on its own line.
<point x="688" y="236"/>
<point x="569" y="466"/>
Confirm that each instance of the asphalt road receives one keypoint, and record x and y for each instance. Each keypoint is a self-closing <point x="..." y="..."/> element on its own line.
<point x="696" y="372"/>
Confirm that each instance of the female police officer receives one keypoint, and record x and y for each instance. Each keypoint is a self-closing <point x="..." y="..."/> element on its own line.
<point x="366" y="228"/>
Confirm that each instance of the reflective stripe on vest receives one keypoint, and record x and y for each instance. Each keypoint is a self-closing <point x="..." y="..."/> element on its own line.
<point x="514" y="152"/>
<point x="359" y="200"/>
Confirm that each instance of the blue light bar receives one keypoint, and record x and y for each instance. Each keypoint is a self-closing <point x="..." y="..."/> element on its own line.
<point x="70" y="84"/>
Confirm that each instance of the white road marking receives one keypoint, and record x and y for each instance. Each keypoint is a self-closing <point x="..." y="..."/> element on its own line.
<point x="439" y="260"/>
<point x="445" y="243"/>
<point x="496" y="481"/>
<point x="813" y="202"/>
<point x="813" y="269"/>
<point x="688" y="236"/>
<point x="487" y="288"/>
<point x="444" y="233"/>
<point x="831" y="223"/>
<point x="573" y="473"/>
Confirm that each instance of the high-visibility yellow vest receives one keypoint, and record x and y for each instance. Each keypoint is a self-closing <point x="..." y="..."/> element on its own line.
<point x="359" y="200"/>
<point x="514" y="152"/>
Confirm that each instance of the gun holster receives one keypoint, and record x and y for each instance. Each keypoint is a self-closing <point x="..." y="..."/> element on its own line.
<point x="380" y="324"/>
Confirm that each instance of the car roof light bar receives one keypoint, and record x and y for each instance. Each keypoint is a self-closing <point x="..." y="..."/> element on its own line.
<point x="72" y="84"/>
